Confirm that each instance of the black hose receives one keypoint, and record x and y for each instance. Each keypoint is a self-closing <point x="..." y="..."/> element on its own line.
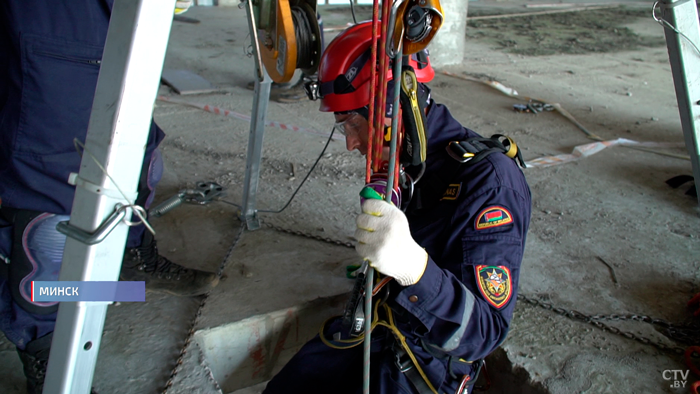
<point x="305" y="37"/>
<point x="330" y="137"/>
<point x="352" y="9"/>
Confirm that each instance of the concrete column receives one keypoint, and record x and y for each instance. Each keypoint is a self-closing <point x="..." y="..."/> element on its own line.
<point x="447" y="46"/>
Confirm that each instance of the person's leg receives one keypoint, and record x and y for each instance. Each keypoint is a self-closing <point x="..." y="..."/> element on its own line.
<point x="29" y="332"/>
<point x="317" y="368"/>
<point x="37" y="127"/>
<point x="52" y="59"/>
<point x="49" y="62"/>
<point x="35" y="358"/>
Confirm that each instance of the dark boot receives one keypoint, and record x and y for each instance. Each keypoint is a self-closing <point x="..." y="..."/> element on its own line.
<point x="35" y="357"/>
<point x="296" y="93"/>
<point x="277" y="87"/>
<point x="143" y="263"/>
<point x="293" y="95"/>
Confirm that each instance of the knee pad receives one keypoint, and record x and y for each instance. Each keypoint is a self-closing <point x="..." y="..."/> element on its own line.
<point x="37" y="253"/>
<point x="151" y="174"/>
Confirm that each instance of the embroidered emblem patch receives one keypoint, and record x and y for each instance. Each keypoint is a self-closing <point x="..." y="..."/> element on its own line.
<point x="493" y="217"/>
<point x="494" y="283"/>
<point x="452" y="191"/>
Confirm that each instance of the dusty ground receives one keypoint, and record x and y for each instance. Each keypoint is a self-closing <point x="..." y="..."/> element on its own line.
<point x="599" y="30"/>
<point x="608" y="236"/>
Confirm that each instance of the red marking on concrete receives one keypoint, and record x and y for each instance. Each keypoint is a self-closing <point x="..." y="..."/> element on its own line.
<point x="257" y="354"/>
<point x="287" y="325"/>
<point x="224" y="112"/>
<point x="296" y="323"/>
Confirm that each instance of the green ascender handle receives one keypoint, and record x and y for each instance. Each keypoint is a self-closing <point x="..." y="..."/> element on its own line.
<point x="368" y="192"/>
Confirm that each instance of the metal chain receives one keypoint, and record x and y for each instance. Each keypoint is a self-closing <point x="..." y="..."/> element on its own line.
<point x="195" y="320"/>
<point x="678" y="333"/>
<point x="686" y="334"/>
<point x="597" y="321"/>
<point x="307" y="235"/>
<point x="200" y="308"/>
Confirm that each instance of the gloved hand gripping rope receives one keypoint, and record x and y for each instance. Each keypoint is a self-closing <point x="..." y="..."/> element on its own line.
<point x="383" y="234"/>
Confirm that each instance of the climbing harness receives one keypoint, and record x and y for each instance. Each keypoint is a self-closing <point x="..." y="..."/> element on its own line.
<point x="473" y="150"/>
<point x="406" y="360"/>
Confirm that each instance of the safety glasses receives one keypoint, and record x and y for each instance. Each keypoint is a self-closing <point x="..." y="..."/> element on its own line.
<point x="351" y="125"/>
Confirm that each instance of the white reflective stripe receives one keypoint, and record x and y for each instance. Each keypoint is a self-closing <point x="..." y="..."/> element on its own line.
<point x="453" y="342"/>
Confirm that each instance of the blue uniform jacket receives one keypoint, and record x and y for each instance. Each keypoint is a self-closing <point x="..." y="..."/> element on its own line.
<point x="475" y="237"/>
<point x="49" y="61"/>
<point x="460" y="309"/>
<point x="50" y="56"/>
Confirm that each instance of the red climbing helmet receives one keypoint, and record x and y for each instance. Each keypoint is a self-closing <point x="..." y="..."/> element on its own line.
<point x="344" y="70"/>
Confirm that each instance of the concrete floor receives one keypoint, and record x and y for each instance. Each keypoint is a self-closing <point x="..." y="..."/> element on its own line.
<point x="278" y="287"/>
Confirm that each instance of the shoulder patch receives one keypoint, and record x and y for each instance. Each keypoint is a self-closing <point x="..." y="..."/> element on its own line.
<point x="452" y="191"/>
<point x="494" y="284"/>
<point x="493" y="216"/>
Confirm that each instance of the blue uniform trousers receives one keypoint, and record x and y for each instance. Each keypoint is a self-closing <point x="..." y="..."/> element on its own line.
<point x="318" y="368"/>
<point x="50" y="55"/>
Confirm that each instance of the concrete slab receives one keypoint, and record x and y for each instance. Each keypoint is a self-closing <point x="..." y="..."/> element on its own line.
<point x="270" y="271"/>
<point x="250" y="351"/>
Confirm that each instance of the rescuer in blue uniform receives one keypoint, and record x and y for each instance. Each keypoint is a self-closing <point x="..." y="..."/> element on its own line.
<point x="455" y="253"/>
<point x="50" y="56"/>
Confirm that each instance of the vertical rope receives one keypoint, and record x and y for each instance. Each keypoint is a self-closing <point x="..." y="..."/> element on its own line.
<point x="369" y="278"/>
<point x="377" y="111"/>
<point x="383" y="75"/>
<point x="367" y="345"/>
<point x="374" y="151"/>
<point x="372" y="91"/>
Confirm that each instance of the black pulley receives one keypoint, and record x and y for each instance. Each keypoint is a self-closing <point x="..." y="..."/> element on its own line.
<point x="418" y="23"/>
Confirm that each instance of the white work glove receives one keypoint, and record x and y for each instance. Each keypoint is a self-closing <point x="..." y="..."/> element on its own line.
<point x="384" y="239"/>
